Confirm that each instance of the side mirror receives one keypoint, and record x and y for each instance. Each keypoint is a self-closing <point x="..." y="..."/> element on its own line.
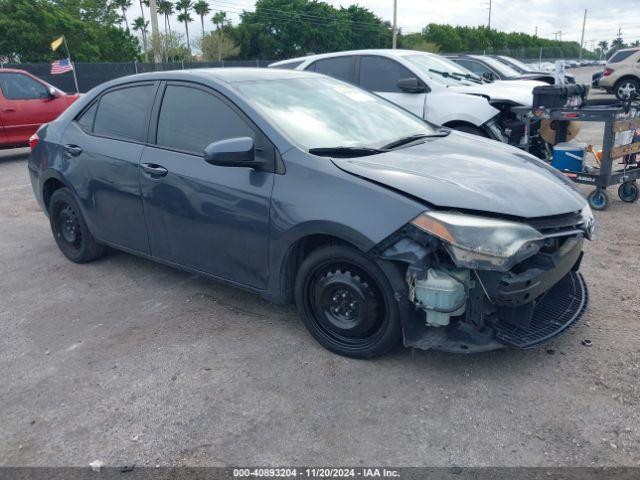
<point x="52" y="92"/>
<point x="411" y="85"/>
<point x="488" y="76"/>
<point x="233" y="152"/>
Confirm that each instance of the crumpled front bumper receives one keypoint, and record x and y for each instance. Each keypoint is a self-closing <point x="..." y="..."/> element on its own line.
<point x="521" y="310"/>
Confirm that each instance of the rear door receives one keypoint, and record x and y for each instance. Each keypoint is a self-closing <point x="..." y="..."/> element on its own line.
<point x="26" y="105"/>
<point x="106" y="142"/>
<point x="381" y="75"/>
<point x="210" y="218"/>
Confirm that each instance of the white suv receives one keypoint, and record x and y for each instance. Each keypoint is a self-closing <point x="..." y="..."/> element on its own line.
<point x="431" y="87"/>
<point x="621" y="75"/>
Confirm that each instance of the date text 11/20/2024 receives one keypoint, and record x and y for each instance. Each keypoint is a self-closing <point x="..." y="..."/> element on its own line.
<point x="315" y="472"/>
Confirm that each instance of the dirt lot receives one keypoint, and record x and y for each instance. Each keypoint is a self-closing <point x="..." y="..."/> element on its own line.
<point x="127" y="361"/>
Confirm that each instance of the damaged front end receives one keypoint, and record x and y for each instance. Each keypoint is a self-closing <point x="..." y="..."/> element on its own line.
<point x="478" y="283"/>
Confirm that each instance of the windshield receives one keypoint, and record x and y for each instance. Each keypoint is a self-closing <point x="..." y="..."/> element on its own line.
<point x="429" y="65"/>
<point x="322" y="112"/>
<point x="517" y="64"/>
<point x="505" y="70"/>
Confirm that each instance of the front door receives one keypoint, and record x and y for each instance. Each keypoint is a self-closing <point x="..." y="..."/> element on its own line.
<point x="381" y="75"/>
<point x="106" y="141"/>
<point x="210" y="218"/>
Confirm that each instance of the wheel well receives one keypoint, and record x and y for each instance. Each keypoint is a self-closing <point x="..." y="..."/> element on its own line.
<point x="296" y="255"/>
<point x="626" y="77"/>
<point x="50" y="186"/>
<point x="461" y="123"/>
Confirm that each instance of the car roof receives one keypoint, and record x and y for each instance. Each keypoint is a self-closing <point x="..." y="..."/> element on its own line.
<point x="219" y="74"/>
<point x="12" y="70"/>
<point x="384" y="52"/>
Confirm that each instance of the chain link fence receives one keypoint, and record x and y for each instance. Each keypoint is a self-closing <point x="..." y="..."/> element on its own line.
<point x="93" y="74"/>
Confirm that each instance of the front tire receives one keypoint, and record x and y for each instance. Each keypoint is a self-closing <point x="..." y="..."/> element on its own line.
<point x="347" y="302"/>
<point x="69" y="229"/>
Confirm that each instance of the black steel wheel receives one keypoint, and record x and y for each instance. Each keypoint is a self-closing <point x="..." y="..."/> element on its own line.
<point x="628" y="192"/>
<point x="347" y="303"/>
<point x="70" y="230"/>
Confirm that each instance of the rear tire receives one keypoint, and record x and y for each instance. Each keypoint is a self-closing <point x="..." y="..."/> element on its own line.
<point x="69" y="229"/>
<point x="347" y="302"/>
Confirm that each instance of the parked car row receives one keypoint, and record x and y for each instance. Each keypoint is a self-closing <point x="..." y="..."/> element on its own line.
<point x="381" y="227"/>
<point x="436" y="88"/>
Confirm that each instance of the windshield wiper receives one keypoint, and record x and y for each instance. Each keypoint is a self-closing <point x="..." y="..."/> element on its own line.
<point x="412" y="138"/>
<point x="345" y="152"/>
<point x="466" y="76"/>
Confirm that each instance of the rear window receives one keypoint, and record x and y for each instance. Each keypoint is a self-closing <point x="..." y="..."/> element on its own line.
<point x="621" y="56"/>
<point x="123" y="113"/>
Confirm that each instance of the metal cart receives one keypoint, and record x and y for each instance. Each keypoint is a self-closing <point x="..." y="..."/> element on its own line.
<point x="619" y="163"/>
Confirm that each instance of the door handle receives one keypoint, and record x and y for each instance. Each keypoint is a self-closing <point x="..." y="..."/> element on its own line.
<point x="154" y="170"/>
<point x="73" y="150"/>
<point x="8" y="110"/>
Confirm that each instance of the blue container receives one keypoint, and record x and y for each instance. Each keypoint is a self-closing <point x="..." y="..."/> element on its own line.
<point x="568" y="156"/>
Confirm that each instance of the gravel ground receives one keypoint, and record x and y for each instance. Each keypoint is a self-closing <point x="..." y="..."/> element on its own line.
<point x="127" y="361"/>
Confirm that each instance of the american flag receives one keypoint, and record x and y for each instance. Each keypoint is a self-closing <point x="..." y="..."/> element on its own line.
<point x="61" y="66"/>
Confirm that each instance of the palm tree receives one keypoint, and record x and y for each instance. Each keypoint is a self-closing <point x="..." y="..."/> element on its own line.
<point x="142" y="25"/>
<point x="123" y="5"/>
<point x="219" y="20"/>
<point x="165" y="8"/>
<point x="201" y="7"/>
<point x="183" y="6"/>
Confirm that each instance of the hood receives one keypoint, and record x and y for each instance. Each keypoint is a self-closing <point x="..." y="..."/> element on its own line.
<point x="468" y="172"/>
<point x="517" y="91"/>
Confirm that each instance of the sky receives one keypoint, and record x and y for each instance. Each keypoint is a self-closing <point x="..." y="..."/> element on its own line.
<point x="549" y="16"/>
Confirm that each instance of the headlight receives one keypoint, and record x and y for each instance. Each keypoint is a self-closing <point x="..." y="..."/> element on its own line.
<point x="479" y="242"/>
<point x="589" y="223"/>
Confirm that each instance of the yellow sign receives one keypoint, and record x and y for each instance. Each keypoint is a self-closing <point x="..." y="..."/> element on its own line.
<point x="56" y="43"/>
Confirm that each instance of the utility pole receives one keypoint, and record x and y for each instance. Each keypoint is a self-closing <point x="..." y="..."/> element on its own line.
<point x="394" y="41"/>
<point x="489" y="26"/>
<point x="535" y="34"/>
<point x="584" y="22"/>
<point x="155" y="33"/>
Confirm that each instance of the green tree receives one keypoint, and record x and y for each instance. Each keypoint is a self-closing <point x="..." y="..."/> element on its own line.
<point x="27" y="28"/>
<point x="184" y="7"/>
<point x="220" y="21"/>
<point x="366" y="30"/>
<point x="123" y="5"/>
<point x="201" y="7"/>
<point x="141" y="25"/>
<point x="216" y="48"/>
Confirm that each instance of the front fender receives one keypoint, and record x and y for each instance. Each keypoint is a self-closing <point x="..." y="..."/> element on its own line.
<point x="449" y="107"/>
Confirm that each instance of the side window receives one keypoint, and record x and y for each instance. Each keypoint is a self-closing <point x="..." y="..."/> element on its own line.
<point x="475" y="67"/>
<point x="16" y="86"/>
<point x="621" y="56"/>
<point x="85" y="120"/>
<point x="123" y="113"/>
<point x="380" y="74"/>
<point x="190" y="119"/>
<point x="338" y="67"/>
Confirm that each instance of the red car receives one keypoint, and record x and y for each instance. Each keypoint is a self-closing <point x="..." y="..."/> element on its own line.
<point x="26" y="102"/>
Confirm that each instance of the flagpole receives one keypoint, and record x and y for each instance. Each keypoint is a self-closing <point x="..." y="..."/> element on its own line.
<point x="73" y="67"/>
